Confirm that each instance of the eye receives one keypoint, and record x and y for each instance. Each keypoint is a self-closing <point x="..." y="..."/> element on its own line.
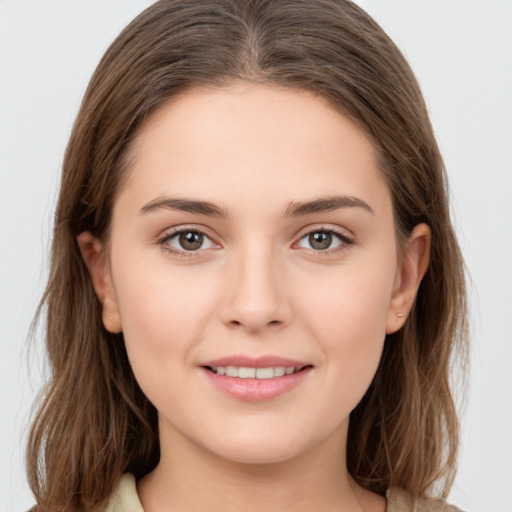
<point x="323" y="240"/>
<point x="189" y="240"/>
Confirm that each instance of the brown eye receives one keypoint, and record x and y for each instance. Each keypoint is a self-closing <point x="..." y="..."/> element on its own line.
<point x="187" y="241"/>
<point x="320" y="240"/>
<point x="191" y="240"/>
<point x="327" y="240"/>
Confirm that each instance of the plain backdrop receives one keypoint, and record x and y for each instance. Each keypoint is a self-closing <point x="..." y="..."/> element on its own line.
<point x="461" y="51"/>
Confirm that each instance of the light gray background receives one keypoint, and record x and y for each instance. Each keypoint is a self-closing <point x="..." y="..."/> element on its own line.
<point x="461" y="51"/>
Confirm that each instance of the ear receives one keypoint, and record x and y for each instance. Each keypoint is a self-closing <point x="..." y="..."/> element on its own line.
<point x="93" y="253"/>
<point x="410" y="272"/>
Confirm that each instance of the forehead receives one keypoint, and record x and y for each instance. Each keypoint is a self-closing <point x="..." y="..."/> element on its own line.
<point x="246" y="140"/>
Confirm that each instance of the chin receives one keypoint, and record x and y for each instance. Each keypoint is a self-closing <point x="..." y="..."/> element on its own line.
<point x="256" y="453"/>
<point x="261" y="446"/>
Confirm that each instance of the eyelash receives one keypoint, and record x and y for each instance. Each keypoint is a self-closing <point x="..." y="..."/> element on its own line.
<point x="345" y="241"/>
<point x="163" y="242"/>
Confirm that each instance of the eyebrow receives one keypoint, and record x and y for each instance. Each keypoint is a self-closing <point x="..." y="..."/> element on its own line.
<point x="295" y="208"/>
<point x="327" y="204"/>
<point x="184" y="205"/>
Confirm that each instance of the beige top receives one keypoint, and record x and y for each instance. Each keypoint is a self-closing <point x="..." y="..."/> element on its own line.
<point x="125" y="499"/>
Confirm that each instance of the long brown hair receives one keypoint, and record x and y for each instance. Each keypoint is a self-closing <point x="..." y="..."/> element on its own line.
<point x="93" y="422"/>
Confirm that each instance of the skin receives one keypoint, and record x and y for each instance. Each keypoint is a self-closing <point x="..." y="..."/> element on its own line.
<point x="257" y="286"/>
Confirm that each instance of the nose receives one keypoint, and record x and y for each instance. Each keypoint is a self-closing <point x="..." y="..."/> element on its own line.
<point x="257" y="294"/>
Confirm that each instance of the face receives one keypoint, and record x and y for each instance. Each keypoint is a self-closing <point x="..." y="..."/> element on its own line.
<point x="253" y="270"/>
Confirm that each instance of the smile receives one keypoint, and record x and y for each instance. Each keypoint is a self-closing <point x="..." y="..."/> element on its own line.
<point x="256" y="379"/>
<point x="244" y="372"/>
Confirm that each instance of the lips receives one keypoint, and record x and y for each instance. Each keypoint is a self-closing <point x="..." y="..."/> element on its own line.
<point x="256" y="379"/>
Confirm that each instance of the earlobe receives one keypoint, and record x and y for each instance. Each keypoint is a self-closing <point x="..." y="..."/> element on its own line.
<point x="413" y="266"/>
<point x="93" y="253"/>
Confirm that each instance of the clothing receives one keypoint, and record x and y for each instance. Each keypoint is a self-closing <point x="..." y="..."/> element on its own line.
<point x="125" y="499"/>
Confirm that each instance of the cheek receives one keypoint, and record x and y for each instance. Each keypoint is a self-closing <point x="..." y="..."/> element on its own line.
<point x="162" y="312"/>
<point x="351" y="302"/>
<point x="348" y="317"/>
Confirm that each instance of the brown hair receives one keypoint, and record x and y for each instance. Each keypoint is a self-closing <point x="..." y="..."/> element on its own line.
<point x="93" y="422"/>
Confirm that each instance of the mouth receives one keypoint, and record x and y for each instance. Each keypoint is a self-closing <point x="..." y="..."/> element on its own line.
<point x="256" y="379"/>
<point x="248" y="372"/>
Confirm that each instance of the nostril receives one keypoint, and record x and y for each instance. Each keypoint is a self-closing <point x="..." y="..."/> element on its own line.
<point x="271" y="323"/>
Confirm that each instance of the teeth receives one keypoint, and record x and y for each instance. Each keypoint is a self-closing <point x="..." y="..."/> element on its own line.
<point x="246" y="373"/>
<point x="231" y="371"/>
<point x="279" y="371"/>
<point x="265" y="373"/>
<point x="243" y="372"/>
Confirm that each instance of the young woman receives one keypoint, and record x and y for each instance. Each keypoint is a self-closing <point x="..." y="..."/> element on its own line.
<point x="255" y="293"/>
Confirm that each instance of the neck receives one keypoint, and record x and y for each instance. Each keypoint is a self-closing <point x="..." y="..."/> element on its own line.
<point x="190" y="479"/>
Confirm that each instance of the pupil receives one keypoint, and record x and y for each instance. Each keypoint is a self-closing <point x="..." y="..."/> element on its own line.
<point x="191" y="240"/>
<point x="320" y="240"/>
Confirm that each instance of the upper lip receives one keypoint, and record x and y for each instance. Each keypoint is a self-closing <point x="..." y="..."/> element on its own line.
<point x="266" y="361"/>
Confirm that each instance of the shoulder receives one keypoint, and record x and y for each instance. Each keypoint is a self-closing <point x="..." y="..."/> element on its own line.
<point x="124" y="498"/>
<point x="401" y="501"/>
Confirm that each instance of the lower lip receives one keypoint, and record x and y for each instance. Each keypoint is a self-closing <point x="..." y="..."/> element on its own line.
<point x="257" y="390"/>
